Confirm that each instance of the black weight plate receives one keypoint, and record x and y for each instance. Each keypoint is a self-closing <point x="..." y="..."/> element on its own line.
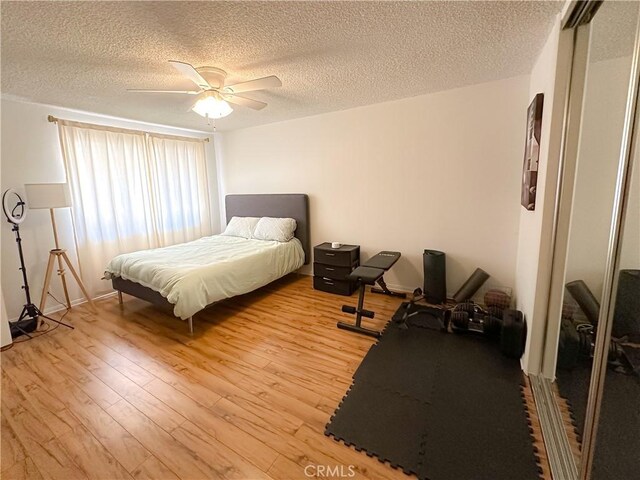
<point x="460" y="320"/>
<point x="513" y="334"/>
<point x="492" y="325"/>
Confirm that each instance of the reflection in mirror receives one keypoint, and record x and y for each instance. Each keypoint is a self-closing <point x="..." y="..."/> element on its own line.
<point x="617" y="452"/>
<point x="605" y="98"/>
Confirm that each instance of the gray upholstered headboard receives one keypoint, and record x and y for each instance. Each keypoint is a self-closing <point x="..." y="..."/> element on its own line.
<point x="284" y="205"/>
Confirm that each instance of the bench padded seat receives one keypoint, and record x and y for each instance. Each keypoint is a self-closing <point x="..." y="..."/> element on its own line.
<point x="384" y="260"/>
<point x="366" y="275"/>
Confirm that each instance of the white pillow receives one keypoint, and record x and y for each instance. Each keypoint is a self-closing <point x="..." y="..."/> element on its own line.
<point x="241" y="227"/>
<point x="278" y="229"/>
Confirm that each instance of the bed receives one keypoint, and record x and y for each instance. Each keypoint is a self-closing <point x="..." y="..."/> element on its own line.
<point x="190" y="277"/>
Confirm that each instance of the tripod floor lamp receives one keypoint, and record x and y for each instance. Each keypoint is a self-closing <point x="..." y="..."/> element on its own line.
<point x="51" y="196"/>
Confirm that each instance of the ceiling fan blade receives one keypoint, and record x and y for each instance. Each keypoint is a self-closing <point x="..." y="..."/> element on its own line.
<point x="142" y="90"/>
<point x="245" y="102"/>
<point x="257" y="84"/>
<point x="191" y="73"/>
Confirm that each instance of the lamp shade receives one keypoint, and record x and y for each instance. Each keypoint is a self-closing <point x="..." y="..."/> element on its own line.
<point x="48" y="195"/>
<point x="212" y="106"/>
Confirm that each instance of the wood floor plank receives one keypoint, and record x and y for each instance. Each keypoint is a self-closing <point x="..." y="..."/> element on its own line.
<point x="119" y="362"/>
<point x="11" y="449"/>
<point x="21" y="415"/>
<point x="243" y="375"/>
<point x="47" y="406"/>
<point x="257" y="387"/>
<point x="91" y="456"/>
<point x="222" y="460"/>
<point x="201" y="372"/>
<point x="167" y="372"/>
<point x="153" y="469"/>
<point x="24" y="469"/>
<point x="228" y="434"/>
<point x="38" y="440"/>
<point x="319" y="384"/>
<point x="68" y="368"/>
<point x="180" y="459"/>
<point x="121" y="444"/>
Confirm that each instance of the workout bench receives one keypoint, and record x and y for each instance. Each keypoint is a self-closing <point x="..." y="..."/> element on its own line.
<point x="370" y="273"/>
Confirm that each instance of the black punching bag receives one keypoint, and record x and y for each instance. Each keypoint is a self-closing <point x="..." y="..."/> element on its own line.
<point x="435" y="276"/>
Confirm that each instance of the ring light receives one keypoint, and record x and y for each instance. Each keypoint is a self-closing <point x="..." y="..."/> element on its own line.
<point x="13" y="207"/>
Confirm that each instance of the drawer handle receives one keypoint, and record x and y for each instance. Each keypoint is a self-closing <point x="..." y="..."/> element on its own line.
<point x="330" y="269"/>
<point x="330" y="254"/>
<point x="326" y="280"/>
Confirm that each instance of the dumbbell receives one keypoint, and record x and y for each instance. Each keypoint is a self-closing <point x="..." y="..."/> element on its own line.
<point x="511" y="328"/>
<point x="469" y="316"/>
<point x="494" y="311"/>
<point x="576" y="341"/>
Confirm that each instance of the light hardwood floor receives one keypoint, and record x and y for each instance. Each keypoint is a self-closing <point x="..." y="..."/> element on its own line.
<point x="130" y="394"/>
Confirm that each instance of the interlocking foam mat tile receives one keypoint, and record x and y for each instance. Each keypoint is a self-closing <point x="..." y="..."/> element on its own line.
<point x="439" y="406"/>
<point x="618" y="443"/>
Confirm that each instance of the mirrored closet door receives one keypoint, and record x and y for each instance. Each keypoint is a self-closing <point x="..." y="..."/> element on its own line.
<point x="593" y="341"/>
<point x="617" y="437"/>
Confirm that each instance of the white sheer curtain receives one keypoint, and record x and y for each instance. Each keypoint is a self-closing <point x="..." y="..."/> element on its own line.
<point x="131" y="191"/>
<point x="178" y="172"/>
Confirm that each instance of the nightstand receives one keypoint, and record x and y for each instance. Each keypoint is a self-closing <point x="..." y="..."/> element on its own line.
<point x="331" y="267"/>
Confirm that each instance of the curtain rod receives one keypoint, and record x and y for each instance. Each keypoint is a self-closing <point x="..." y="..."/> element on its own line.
<point x="53" y="119"/>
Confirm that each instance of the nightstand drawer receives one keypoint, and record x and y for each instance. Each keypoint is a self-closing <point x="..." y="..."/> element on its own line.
<point x="340" y="287"/>
<point x="344" y="256"/>
<point x="331" y="271"/>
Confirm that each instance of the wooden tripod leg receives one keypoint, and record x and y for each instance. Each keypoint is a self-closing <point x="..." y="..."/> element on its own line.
<point x="47" y="280"/>
<point x="61" y="272"/>
<point x="78" y="280"/>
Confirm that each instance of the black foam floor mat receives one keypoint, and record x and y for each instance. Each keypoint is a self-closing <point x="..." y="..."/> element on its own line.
<point x="440" y="406"/>
<point x="618" y="442"/>
<point x="395" y="424"/>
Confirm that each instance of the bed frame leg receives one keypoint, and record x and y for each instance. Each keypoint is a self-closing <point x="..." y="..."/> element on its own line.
<point x="119" y="297"/>
<point x="190" y="320"/>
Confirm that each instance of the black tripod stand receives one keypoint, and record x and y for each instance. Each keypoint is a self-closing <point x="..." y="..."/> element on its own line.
<point x="28" y="320"/>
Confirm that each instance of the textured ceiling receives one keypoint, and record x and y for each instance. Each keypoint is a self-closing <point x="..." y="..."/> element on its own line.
<point x="329" y="55"/>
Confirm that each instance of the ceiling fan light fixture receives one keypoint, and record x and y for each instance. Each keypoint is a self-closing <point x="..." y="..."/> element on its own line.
<point x="212" y="106"/>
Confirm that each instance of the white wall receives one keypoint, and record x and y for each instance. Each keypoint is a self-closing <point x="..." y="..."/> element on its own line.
<point x="30" y="153"/>
<point x="5" y="331"/>
<point x="438" y="171"/>
<point x="534" y="251"/>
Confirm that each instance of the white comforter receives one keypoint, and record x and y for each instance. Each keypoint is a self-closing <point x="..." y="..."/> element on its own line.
<point x="195" y="274"/>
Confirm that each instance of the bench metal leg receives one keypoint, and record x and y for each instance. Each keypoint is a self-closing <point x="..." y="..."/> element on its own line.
<point x="360" y="312"/>
<point x="190" y="320"/>
<point x="385" y="290"/>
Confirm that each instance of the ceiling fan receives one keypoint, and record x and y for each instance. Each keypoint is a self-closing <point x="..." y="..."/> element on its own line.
<point x="214" y="96"/>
